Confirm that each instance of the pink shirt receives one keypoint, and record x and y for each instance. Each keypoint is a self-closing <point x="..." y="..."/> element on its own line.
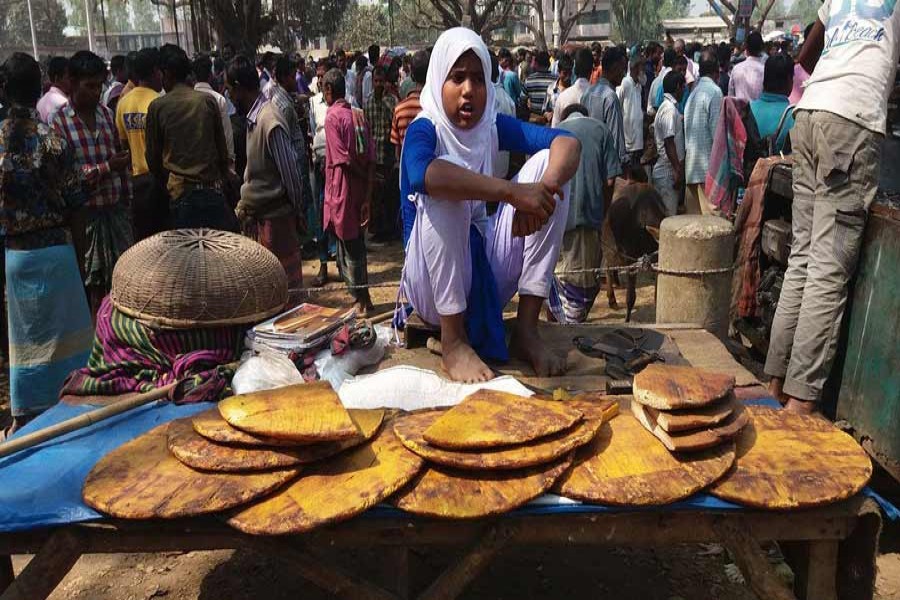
<point x="800" y="77"/>
<point x="747" y="79"/>
<point x="345" y="193"/>
<point x="50" y="103"/>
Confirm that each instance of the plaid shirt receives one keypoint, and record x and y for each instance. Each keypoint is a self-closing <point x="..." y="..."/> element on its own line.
<point x="92" y="151"/>
<point x="701" y="115"/>
<point x="380" y="114"/>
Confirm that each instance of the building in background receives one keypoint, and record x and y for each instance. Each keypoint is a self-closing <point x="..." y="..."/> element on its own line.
<point x="697" y="29"/>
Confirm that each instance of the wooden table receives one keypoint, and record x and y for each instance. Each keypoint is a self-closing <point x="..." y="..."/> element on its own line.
<point x="832" y="549"/>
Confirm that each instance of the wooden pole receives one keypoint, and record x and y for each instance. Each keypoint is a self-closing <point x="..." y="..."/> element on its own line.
<point x="175" y="22"/>
<point x="34" y="46"/>
<point x="87" y="20"/>
<point x="82" y="421"/>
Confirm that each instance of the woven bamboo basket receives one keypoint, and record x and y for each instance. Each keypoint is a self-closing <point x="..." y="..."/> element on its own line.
<point x="198" y="278"/>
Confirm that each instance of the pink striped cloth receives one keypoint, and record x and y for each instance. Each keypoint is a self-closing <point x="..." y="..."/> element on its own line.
<point x="726" y="161"/>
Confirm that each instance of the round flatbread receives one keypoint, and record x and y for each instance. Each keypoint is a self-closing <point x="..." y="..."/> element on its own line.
<point x="334" y="490"/>
<point x="694" y="418"/>
<point x="543" y="450"/>
<point x="487" y="419"/>
<point x="670" y="387"/>
<point x="142" y="480"/>
<point x="213" y="427"/>
<point x="626" y="466"/>
<point x="786" y="460"/>
<point x="306" y="412"/>
<point x="458" y="494"/>
<point x="698" y="439"/>
<point x="198" y="452"/>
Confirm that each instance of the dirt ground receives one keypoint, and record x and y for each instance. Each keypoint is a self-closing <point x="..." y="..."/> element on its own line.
<point x="687" y="572"/>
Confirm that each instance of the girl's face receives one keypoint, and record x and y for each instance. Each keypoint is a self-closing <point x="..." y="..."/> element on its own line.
<point x="464" y="94"/>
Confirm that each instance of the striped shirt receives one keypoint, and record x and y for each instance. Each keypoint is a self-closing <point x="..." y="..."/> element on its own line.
<point x="283" y="154"/>
<point x="700" y="118"/>
<point x="536" y="90"/>
<point x="92" y="151"/>
<point x="285" y="103"/>
<point x="404" y="113"/>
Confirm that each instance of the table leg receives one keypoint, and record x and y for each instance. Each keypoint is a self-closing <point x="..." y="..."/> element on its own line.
<point x="318" y="570"/>
<point x="7" y="575"/>
<point x="821" y="570"/>
<point x="454" y="580"/>
<point x="47" y="568"/>
<point x="395" y="569"/>
<point x="857" y="554"/>
<point x="753" y="563"/>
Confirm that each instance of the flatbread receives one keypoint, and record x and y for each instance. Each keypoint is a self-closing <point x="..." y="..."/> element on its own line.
<point x="626" y="466"/>
<point x="458" y="494"/>
<point x="670" y="387"/>
<point x="198" y="452"/>
<point x="487" y="419"/>
<point x="306" y="412"/>
<point x="142" y="480"/>
<point x="786" y="460"/>
<point x="540" y="451"/>
<point x="688" y="419"/>
<point x="334" y="490"/>
<point x="698" y="439"/>
<point x="213" y="427"/>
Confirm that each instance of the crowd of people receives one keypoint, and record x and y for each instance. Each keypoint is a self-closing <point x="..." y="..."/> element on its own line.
<point x="462" y="153"/>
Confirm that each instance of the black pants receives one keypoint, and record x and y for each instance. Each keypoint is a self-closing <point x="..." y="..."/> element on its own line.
<point x="149" y="207"/>
<point x="203" y="207"/>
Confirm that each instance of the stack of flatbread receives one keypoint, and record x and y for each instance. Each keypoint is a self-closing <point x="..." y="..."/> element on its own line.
<point x="687" y="409"/>
<point x="494" y="451"/>
<point x="281" y="461"/>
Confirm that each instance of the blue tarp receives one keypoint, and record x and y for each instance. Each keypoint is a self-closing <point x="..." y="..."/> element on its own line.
<point x="41" y="487"/>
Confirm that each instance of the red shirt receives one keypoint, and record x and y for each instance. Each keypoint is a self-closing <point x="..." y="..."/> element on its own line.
<point x="345" y="192"/>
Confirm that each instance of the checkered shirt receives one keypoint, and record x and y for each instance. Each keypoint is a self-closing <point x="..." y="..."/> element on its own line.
<point x="380" y="114"/>
<point x="92" y="151"/>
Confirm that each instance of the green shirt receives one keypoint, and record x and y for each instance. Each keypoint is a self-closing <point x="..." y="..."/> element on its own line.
<point x="185" y="141"/>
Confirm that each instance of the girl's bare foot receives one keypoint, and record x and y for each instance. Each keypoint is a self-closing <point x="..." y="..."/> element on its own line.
<point x="528" y="345"/>
<point x="463" y="364"/>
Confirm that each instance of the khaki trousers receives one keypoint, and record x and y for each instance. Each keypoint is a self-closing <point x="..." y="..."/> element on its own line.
<point x="695" y="201"/>
<point x="835" y="179"/>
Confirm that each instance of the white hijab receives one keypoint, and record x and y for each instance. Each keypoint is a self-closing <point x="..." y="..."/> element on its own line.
<point x="475" y="148"/>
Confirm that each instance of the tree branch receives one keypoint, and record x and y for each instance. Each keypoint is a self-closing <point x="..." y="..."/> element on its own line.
<point x="764" y="14"/>
<point x="720" y="14"/>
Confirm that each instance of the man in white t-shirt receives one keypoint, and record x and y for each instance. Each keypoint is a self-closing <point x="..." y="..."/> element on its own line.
<point x="852" y="53"/>
<point x="668" y="132"/>
<point x="629" y="94"/>
<point x="584" y="63"/>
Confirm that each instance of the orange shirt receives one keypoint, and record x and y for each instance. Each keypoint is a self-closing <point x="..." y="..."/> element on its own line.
<point x="596" y="74"/>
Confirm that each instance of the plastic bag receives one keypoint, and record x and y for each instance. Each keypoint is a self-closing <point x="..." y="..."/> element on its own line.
<point x="264" y="371"/>
<point x="338" y="369"/>
<point x="412" y="388"/>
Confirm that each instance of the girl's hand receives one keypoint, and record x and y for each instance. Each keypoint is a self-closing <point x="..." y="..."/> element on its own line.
<point x="535" y="199"/>
<point x="524" y="225"/>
